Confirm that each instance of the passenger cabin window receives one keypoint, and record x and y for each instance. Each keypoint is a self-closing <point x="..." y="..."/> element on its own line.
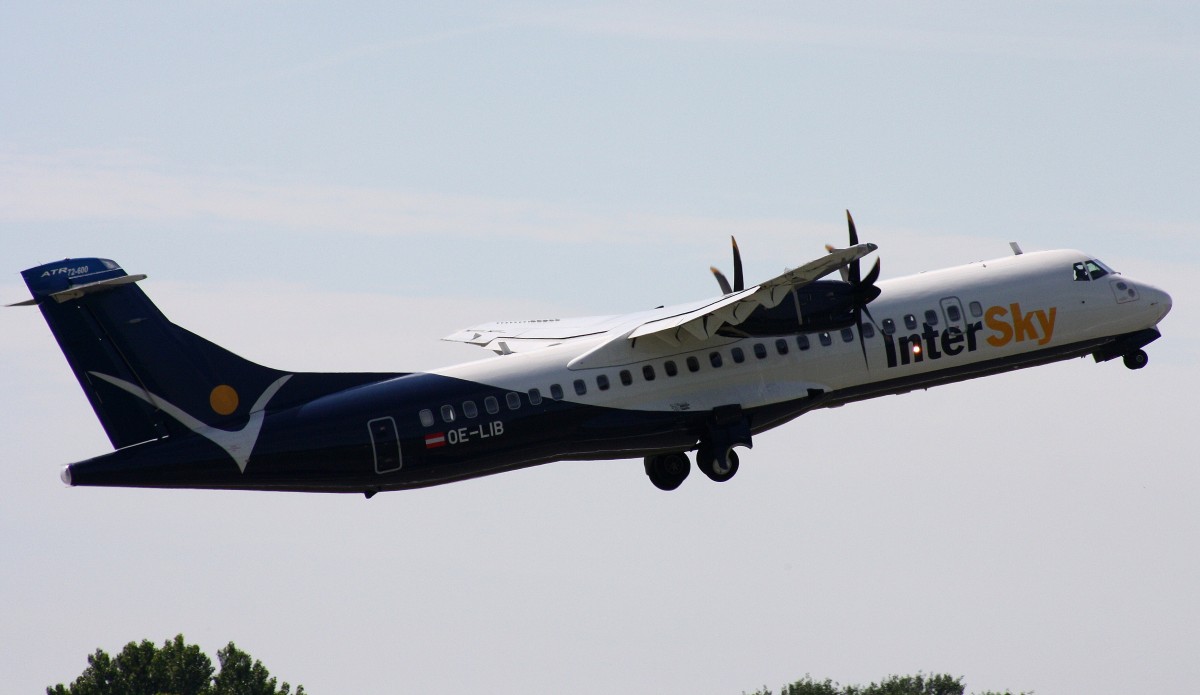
<point x="492" y="406"/>
<point x="602" y="382"/>
<point x="580" y="387"/>
<point x="556" y="392"/>
<point x="760" y="351"/>
<point x="847" y="335"/>
<point x="514" y="400"/>
<point x="738" y="355"/>
<point x="976" y="309"/>
<point x="825" y="339"/>
<point x="670" y="368"/>
<point x="648" y="372"/>
<point x="889" y="326"/>
<point x="802" y="342"/>
<point x="953" y="313"/>
<point x="931" y="317"/>
<point x="626" y="377"/>
<point x="910" y="322"/>
<point x="693" y="364"/>
<point x="781" y="346"/>
<point x="535" y="397"/>
<point x="447" y="413"/>
<point x="714" y="358"/>
<point x="470" y="410"/>
<point x="868" y="331"/>
<point x="426" y="418"/>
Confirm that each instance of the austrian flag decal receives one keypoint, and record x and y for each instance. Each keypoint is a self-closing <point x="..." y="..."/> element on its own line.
<point x="433" y="441"/>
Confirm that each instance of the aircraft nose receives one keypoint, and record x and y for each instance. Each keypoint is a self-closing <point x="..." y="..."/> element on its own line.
<point x="1158" y="299"/>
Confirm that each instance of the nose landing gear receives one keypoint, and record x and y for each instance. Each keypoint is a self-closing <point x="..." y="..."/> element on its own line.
<point x="1136" y="359"/>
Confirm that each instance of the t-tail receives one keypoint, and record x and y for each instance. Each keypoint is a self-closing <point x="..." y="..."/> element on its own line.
<point x="148" y="378"/>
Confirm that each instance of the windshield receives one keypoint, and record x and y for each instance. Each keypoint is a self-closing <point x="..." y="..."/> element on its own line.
<point x="1090" y="270"/>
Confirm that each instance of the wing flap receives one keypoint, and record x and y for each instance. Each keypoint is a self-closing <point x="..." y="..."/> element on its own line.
<point x="504" y="337"/>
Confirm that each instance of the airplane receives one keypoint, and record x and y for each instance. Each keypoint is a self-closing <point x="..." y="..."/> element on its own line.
<point x="704" y="377"/>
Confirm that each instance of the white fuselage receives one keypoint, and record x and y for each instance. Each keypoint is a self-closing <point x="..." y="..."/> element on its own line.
<point x="944" y="319"/>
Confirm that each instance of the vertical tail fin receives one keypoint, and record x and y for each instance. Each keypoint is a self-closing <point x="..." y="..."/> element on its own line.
<point x="145" y="377"/>
<point x="110" y="331"/>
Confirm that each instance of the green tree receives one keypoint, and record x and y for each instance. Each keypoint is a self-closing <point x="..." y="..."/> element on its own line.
<point x="176" y="668"/>
<point x="241" y="676"/>
<point x="920" y="684"/>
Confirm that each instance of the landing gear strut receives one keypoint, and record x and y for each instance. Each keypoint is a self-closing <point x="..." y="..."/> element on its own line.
<point x="668" y="471"/>
<point x="728" y="428"/>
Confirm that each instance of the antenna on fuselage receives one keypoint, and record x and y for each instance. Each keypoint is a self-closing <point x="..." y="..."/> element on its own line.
<point x="1015" y="247"/>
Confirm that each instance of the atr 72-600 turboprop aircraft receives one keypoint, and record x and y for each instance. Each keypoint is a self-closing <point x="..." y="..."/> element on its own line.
<point x="703" y="377"/>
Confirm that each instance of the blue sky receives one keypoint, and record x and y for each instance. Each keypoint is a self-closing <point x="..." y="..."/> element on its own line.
<point x="333" y="188"/>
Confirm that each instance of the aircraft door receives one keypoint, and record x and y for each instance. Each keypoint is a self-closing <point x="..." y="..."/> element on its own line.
<point x="385" y="444"/>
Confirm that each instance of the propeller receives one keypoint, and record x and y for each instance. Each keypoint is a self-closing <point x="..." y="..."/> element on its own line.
<point x="863" y="290"/>
<point x="738" y="284"/>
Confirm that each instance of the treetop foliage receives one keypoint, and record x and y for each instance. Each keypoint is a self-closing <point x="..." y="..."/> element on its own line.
<point x="176" y="668"/>
<point x="920" y="684"/>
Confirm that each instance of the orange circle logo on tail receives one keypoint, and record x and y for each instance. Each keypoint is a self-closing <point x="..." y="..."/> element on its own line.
<point x="223" y="399"/>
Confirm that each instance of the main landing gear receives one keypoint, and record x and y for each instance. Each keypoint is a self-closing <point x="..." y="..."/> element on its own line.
<point x="668" y="471"/>
<point x="715" y="456"/>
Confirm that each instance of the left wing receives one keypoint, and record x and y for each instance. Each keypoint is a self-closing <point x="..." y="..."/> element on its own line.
<point x="704" y="322"/>
<point x="699" y="320"/>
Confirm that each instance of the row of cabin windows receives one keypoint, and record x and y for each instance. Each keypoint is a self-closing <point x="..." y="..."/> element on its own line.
<point x="671" y="369"/>
<point x="469" y="410"/>
<point x="953" y="315"/>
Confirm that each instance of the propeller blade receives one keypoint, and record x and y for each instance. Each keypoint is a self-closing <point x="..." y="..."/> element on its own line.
<point x="864" y="289"/>
<point x="872" y="275"/>
<point x="738" y="285"/>
<point x="867" y="311"/>
<point x="854" y="276"/>
<point x="725" y="289"/>
<point x="862" y="342"/>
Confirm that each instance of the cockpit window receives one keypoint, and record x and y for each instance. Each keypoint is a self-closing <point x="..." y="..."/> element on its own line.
<point x="1098" y="269"/>
<point x="1090" y="270"/>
